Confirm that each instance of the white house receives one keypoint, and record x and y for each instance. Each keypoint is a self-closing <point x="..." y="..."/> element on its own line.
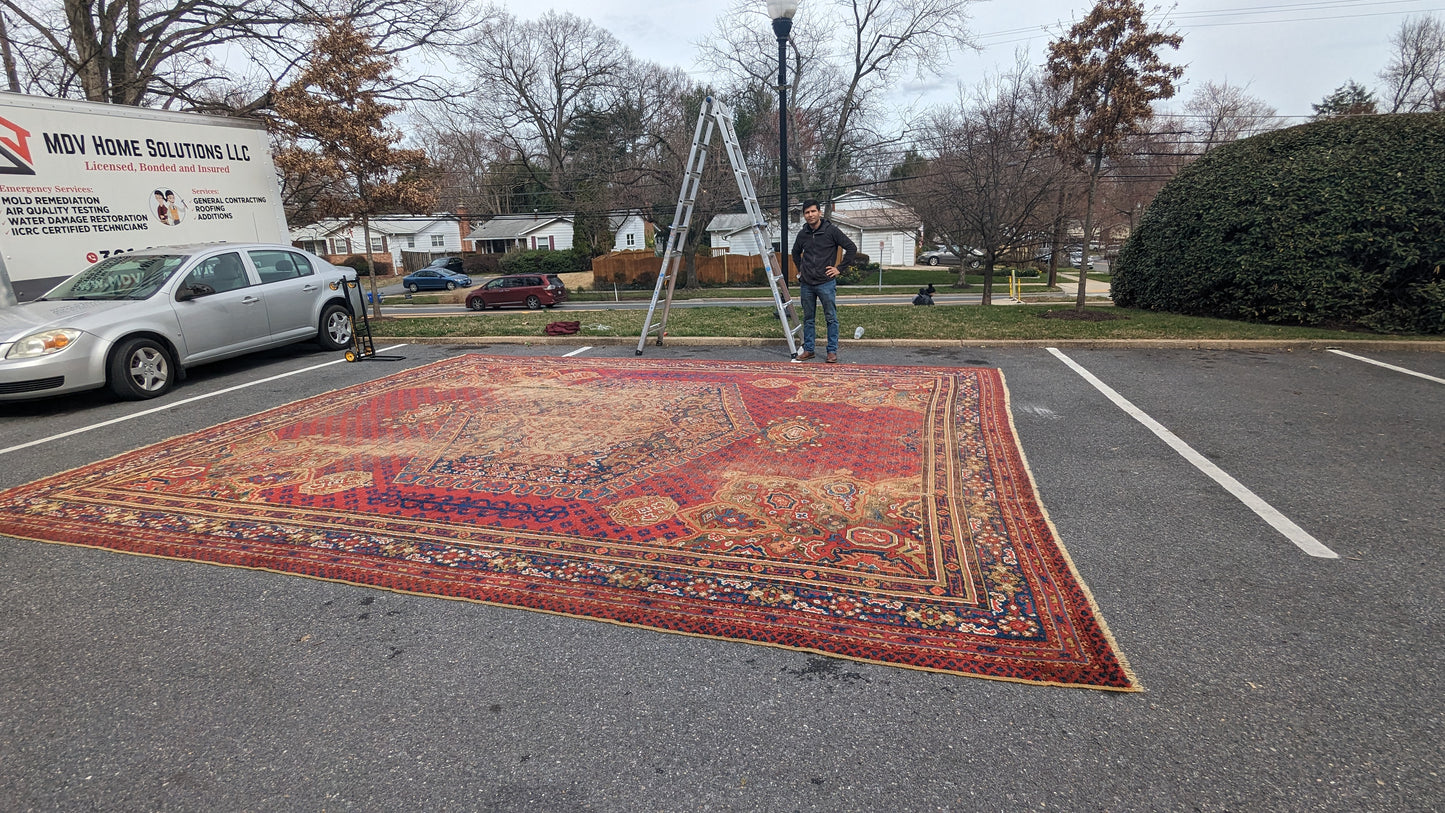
<point x="886" y="230"/>
<point x="631" y="231"/>
<point x="733" y="234"/>
<point x="510" y="232"/>
<point x="437" y="233"/>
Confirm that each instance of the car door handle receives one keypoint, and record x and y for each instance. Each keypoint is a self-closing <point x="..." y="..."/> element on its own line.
<point x="310" y="287"/>
<point x="250" y="300"/>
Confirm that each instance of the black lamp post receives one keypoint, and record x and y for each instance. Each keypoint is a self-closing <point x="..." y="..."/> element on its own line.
<point x="782" y="12"/>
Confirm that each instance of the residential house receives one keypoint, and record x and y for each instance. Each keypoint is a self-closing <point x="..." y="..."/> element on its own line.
<point x="505" y="233"/>
<point x="443" y="233"/>
<point x="886" y="230"/>
<point x="632" y="231"/>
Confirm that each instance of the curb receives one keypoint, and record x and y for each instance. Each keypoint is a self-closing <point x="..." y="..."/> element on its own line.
<point x="1086" y="344"/>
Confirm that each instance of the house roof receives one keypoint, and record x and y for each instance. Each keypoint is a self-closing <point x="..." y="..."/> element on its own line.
<point x="890" y="219"/>
<point x="405" y="224"/>
<point x="730" y="223"/>
<point x="510" y="228"/>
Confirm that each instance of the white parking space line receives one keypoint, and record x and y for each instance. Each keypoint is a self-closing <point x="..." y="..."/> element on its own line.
<point x="181" y="402"/>
<point x="1294" y="533"/>
<point x="579" y="351"/>
<point x="1386" y="366"/>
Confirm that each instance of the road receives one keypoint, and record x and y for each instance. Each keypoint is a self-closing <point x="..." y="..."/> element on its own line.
<point x="1276" y="680"/>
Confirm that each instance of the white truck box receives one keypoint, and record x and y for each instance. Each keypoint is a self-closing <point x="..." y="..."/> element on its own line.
<point x="80" y="181"/>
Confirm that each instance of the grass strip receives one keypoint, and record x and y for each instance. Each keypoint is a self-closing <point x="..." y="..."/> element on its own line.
<point x="878" y="322"/>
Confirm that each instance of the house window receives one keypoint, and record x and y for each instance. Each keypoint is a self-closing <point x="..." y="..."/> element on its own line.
<point x="438" y="241"/>
<point x="631" y="239"/>
<point x="378" y="243"/>
<point x="411" y="241"/>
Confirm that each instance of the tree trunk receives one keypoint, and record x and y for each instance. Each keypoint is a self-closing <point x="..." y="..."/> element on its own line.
<point x="1098" y="161"/>
<point x="12" y="75"/>
<point x="988" y="280"/>
<point x="1058" y="239"/>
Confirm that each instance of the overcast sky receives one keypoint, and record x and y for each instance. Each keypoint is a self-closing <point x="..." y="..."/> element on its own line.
<point x="1290" y="53"/>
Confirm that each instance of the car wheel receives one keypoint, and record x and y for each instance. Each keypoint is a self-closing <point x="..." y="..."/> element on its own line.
<point x="476" y="304"/>
<point x="451" y="286"/>
<point x="533" y="303"/>
<point x="335" y="333"/>
<point x="974" y="263"/>
<point x="141" y="368"/>
<point x="933" y="261"/>
<point x="411" y="286"/>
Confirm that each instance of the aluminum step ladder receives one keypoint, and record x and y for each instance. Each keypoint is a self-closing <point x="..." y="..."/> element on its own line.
<point x="715" y="114"/>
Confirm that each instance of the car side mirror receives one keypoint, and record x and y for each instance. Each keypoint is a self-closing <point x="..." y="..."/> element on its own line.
<point x="195" y="289"/>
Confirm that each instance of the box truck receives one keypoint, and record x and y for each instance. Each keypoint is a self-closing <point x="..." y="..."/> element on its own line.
<point x="81" y="181"/>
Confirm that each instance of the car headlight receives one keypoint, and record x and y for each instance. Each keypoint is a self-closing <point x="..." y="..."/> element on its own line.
<point x="43" y="343"/>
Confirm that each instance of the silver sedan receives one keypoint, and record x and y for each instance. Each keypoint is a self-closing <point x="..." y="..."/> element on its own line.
<point x="134" y="322"/>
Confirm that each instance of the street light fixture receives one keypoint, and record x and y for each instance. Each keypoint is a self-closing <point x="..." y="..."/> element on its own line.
<point x="782" y="12"/>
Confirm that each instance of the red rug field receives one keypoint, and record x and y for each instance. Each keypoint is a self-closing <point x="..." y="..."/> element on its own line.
<point x="883" y="514"/>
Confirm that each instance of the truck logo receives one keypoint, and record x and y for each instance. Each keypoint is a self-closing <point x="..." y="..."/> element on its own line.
<point x="14" y="149"/>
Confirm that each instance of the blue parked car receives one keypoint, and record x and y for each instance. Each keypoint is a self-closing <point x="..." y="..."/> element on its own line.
<point x="433" y="278"/>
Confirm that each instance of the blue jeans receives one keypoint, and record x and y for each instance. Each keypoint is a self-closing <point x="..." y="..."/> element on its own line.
<point x="828" y="294"/>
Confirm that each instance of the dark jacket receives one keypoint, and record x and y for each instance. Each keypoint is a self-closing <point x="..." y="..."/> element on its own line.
<point x="816" y="249"/>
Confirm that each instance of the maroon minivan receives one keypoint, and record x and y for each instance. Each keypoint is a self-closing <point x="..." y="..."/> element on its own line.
<point x="530" y="290"/>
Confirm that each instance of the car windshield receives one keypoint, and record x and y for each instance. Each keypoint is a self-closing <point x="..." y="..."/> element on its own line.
<point x="125" y="276"/>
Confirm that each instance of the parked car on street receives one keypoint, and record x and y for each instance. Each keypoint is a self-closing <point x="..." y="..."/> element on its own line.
<point x="530" y="290"/>
<point x="435" y="278"/>
<point x="951" y="255"/>
<point x="1076" y="257"/>
<point x="136" y="321"/>
<point x="452" y="265"/>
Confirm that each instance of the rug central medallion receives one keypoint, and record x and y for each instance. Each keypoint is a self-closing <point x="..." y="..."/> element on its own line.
<point x="545" y="436"/>
<point x="883" y="514"/>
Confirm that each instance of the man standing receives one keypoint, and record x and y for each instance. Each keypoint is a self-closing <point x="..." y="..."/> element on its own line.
<point x="815" y="253"/>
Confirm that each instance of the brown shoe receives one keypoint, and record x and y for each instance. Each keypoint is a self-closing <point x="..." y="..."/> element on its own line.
<point x="803" y="356"/>
<point x="832" y="358"/>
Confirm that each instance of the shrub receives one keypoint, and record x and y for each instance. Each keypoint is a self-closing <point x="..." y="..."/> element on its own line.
<point x="1336" y="222"/>
<point x="360" y="264"/>
<point x="541" y="261"/>
<point x="859" y="272"/>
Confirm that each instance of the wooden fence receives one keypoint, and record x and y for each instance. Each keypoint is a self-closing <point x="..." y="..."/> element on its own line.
<point x="640" y="268"/>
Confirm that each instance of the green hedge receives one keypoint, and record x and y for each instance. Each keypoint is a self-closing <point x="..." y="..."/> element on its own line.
<point x="1337" y="222"/>
<point x="541" y="261"/>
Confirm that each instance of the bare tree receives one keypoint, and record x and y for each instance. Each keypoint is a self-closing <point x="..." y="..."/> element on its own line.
<point x="1109" y="73"/>
<point x="1415" y="78"/>
<point x="140" y="52"/>
<point x="992" y="182"/>
<point x="1220" y="113"/>
<point x="535" y="80"/>
<point x="845" y="54"/>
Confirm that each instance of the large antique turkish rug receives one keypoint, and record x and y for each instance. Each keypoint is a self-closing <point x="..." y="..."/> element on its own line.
<point x="883" y="514"/>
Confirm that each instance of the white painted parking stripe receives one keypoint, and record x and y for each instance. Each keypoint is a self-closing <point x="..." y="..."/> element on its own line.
<point x="579" y="351"/>
<point x="1386" y="366"/>
<point x="181" y="402"/>
<point x="1294" y="533"/>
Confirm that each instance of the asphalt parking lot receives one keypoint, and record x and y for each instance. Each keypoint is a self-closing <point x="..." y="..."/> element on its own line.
<point x="1275" y="679"/>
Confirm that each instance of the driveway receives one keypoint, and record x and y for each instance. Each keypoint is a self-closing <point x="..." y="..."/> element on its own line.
<point x="1275" y="679"/>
